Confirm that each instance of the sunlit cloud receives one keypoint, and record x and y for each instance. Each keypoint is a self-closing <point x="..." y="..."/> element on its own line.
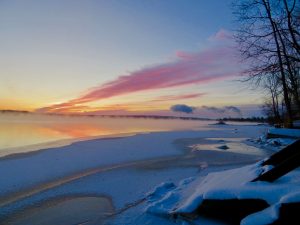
<point x="216" y="62"/>
<point x="221" y="35"/>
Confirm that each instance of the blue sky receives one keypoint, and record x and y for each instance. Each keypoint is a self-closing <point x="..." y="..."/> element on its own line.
<point x="54" y="52"/>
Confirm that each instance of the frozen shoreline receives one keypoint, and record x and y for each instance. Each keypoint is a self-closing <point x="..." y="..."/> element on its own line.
<point x="22" y="133"/>
<point x="100" y="166"/>
<point x="18" y="152"/>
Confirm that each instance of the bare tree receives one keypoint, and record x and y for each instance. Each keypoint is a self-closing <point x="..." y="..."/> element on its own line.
<point x="292" y="17"/>
<point x="289" y="37"/>
<point x="271" y="106"/>
<point x="268" y="38"/>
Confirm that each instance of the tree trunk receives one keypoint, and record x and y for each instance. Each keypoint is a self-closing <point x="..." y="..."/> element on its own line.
<point x="283" y="76"/>
<point x="296" y="45"/>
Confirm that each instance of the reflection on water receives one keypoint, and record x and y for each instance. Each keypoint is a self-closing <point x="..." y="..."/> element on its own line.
<point x="19" y="130"/>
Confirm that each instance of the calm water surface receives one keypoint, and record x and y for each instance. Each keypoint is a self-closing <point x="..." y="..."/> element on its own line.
<point x="26" y="132"/>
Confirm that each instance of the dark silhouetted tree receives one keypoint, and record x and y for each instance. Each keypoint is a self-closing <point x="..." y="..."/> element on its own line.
<point x="268" y="38"/>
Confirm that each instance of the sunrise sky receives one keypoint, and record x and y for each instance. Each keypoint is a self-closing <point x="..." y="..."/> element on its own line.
<point x="121" y="57"/>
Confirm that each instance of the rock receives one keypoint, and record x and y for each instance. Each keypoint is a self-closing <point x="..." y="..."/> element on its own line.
<point x="223" y="147"/>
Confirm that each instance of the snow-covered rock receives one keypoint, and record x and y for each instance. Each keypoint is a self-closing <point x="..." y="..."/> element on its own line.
<point x="233" y="184"/>
<point x="223" y="147"/>
<point x="284" y="132"/>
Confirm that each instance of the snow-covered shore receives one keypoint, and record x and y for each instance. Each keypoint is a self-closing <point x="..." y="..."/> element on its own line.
<point x="267" y="201"/>
<point x="232" y="184"/>
<point x="122" y="170"/>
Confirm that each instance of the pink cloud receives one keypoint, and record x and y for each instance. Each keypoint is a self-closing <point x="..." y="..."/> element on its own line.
<point x="221" y="35"/>
<point x="211" y="64"/>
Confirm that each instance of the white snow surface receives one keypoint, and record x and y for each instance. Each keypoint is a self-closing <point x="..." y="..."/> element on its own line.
<point x="232" y="184"/>
<point x="51" y="164"/>
<point x="294" y="133"/>
<point x="272" y="144"/>
<point x="218" y="185"/>
<point x="181" y="188"/>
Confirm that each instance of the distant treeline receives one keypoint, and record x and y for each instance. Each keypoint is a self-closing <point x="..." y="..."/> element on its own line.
<point x="13" y="111"/>
<point x="104" y="116"/>
<point x="149" y="117"/>
<point x="248" y="119"/>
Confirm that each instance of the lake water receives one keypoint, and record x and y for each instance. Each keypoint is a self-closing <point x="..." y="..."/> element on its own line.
<point x="27" y="132"/>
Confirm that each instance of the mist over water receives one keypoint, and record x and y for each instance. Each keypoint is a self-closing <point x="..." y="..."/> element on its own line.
<point x="22" y="132"/>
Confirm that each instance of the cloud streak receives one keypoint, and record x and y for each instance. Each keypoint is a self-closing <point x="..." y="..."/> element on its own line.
<point x="224" y="109"/>
<point x="214" y="63"/>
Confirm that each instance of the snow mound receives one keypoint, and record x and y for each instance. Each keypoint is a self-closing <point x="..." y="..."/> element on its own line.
<point x="231" y="184"/>
<point x="220" y="185"/>
<point x="273" y="144"/>
<point x="164" y="197"/>
<point x="271" y="214"/>
<point x="284" y="132"/>
<point x="267" y="216"/>
<point x="160" y="190"/>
